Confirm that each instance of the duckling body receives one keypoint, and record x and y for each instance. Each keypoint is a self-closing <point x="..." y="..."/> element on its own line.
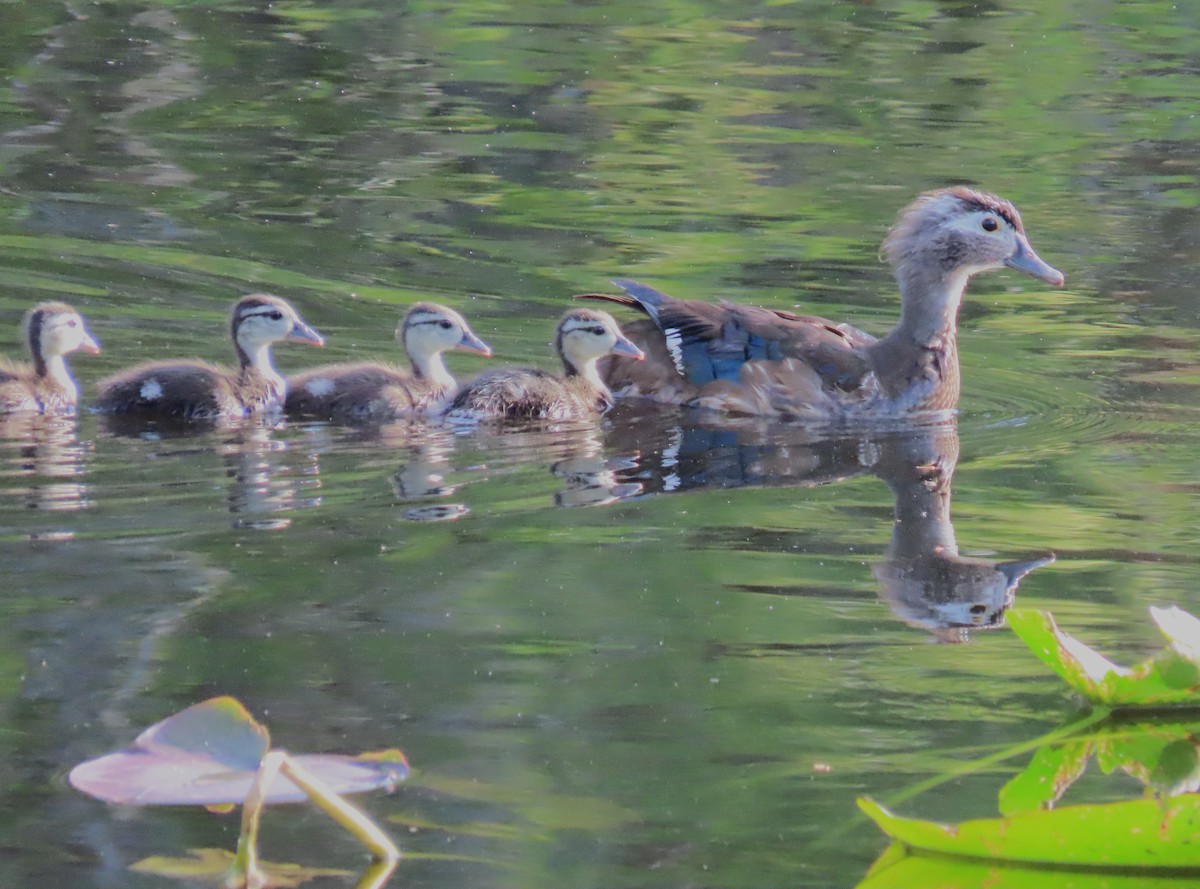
<point x="197" y="390"/>
<point x="375" y="391"/>
<point x="51" y="331"/>
<point x="750" y="360"/>
<point x="583" y="336"/>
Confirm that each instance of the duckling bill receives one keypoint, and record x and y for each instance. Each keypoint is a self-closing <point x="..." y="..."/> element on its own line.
<point x="197" y="390"/>
<point x="750" y="360"/>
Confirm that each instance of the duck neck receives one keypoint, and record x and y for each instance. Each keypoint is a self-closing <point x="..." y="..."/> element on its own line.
<point x="929" y="301"/>
<point x="256" y="362"/>
<point x="433" y="370"/>
<point x="588" y="372"/>
<point x="55" y="370"/>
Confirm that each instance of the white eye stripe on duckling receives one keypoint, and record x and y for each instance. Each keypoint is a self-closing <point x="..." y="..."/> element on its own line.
<point x="151" y="390"/>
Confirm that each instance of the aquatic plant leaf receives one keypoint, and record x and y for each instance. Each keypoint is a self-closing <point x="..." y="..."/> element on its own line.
<point x="208" y="754"/>
<point x="212" y="865"/>
<point x="896" y="869"/>
<point x="1042" y="783"/>
<point x="1170" y="678"/>
<point x="1146" y="834"/>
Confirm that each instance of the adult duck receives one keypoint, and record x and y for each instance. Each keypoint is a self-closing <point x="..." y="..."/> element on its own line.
<point x="749" y="360"/>
<point x="374" y="390"/>
<point x="51" y="331"/>
<point x="197" y="390"/>
<point x="582" y="337"/>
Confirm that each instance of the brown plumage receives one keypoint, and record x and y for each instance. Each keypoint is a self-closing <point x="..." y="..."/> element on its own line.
<point x="197" y="390"/>
<point x="582" y="337"/>
<point x="51" y="331"/>
<point x="749" y="360"/>
<point x="372" y="390"/>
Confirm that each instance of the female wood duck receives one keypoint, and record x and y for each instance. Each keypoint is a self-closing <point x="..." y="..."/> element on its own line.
<point x="749" y="360"/>
<point x="582" y="337"/>
<point x="51" y="331"/>
<point x="196" y="390"/>
<point x="373" y="390"/>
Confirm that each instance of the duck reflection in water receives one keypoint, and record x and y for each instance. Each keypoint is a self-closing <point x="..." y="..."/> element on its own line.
<point x="265" y="483"/>
<point x="923" y="578"/>
<point x="44" y="452"/>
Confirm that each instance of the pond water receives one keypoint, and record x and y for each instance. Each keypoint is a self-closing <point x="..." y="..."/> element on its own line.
<point x="661" y="649"/>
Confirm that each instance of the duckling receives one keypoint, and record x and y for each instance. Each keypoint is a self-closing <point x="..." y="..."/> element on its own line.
<point x="51" y="331"/>
<point x="749" y="360"/>
<point x="372" y="390"/>
<point x="582" y="337"/>
<point x="196" y="390"/>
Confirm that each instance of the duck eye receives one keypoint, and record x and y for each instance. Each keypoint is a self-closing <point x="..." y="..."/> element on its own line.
<point x="990" y="224"/>
<point x="596" y="331"/>
<point x="276" y="315"/>
<point x="444" y="324"/>
<point x="72" y="323"/>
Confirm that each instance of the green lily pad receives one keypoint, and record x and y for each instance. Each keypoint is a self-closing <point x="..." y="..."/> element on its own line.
<point x="897" y="869"/>
<point x="1146" y="834"/>
<point x="1170" y="678"/>
<point x="209" y="754"/>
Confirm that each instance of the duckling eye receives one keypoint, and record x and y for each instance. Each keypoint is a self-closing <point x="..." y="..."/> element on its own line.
<point x="444" y="324"/>
<point x="72" y="323"/>
<point x="275" y="315"/>
<point x="596" y="331"/>
<point x="990" y="224"/>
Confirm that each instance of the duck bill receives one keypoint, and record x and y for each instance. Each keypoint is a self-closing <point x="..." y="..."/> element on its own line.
<point x="625" y="347"/>
<point x="302" y="333"/>
<point x="89" y="344"/>
<point x="1014" y="571"/>
<point x="472" y="343"/>
<point x="1025" y="260"/>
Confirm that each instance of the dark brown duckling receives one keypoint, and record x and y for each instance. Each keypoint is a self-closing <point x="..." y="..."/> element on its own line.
<point x="749" y="360"/>
<point x="372" y="390"/>
<point x="51" y="331"/>
<point x="582" y="337"/>
<point x="196" y="390"/>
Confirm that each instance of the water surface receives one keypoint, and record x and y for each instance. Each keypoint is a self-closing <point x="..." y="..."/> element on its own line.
<point x="656" y="650"/>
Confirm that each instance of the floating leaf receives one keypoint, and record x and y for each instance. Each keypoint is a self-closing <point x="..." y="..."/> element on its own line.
<point x="1146" y="834"/>
<point x="208" y="755"/>
<point x="896" y="869"/>
<point x="1170" y="678"/>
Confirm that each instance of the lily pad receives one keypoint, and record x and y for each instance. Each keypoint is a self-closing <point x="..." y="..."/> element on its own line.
<point x="209" y="754"/>
<point x="897" y="869"/>
<point x="1170" y="678"/>
<point x="1146" y="834"/>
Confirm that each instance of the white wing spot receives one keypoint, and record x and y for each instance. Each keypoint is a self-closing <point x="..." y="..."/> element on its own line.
<point x="151" y="390"/>
<point x="675" y="347"/>
<point x="320" y="386"/>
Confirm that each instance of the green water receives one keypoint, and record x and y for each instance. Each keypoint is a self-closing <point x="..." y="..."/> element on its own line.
<point x="651" y="651"/>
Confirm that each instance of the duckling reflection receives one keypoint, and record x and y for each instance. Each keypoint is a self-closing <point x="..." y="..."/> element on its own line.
<point x="922" y="577"/>
<point x="44" y="452"/>
<point x="590" y="479"/>
<point x="423" y="476"/>
<point x="264" y="485"/>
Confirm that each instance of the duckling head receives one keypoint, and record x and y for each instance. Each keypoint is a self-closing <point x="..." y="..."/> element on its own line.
<point x="261" y="319"/>
<point x="52" y="329"/>
<point x="586" y="335"/>
<point x="959" y="232"/>
<point x="429" y="329"/>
